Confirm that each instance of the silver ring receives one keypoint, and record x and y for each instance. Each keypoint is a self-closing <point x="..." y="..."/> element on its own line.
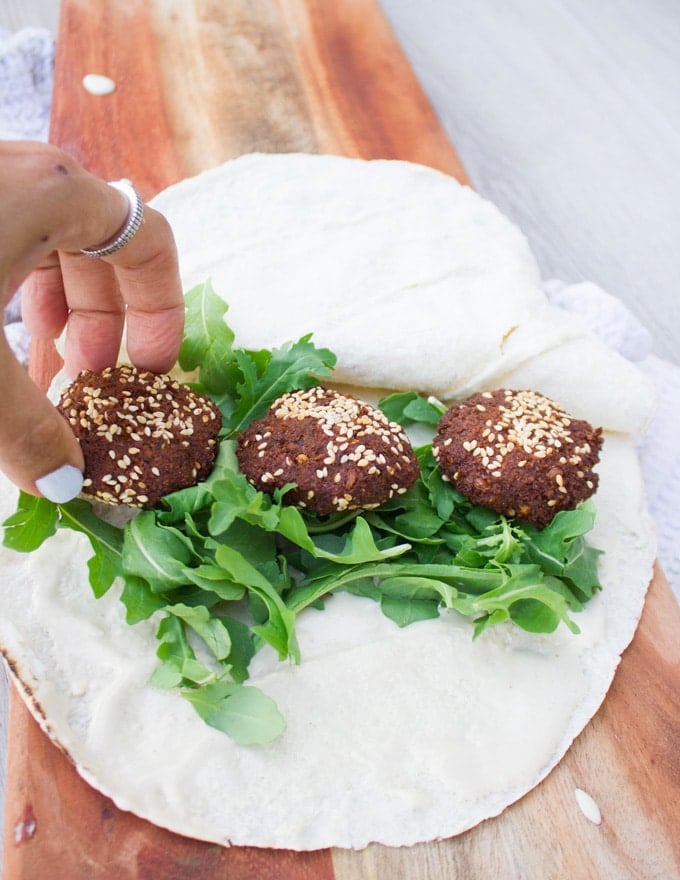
<point x="130" y="227"/>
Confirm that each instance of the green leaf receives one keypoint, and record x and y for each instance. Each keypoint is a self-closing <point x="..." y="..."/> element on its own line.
<point x="524" y="582"/>
<point x="244" y="713"/>
<point x="561" y="550"/>
<point x="266" y="375"/>
<point x="173" y="651"/>
<point x="210" y="629"/>
<point x="236" y="498"/>
<point x="279" y="630"/>
<point x="408" y="406"/>
<point x="415" y="587"/>
<point x="359" y="547"/>
<point x="34" y="521"/>
<point x="408" y="599"/>
<point x="207" y="338"/>
<point x="106" y="542"/>
<point x="139" y="600"/>
<point x="534" y="616"/>
<point x="157" y="553"/>
<point x="211" y="578"/>
<point x="176" y="506"/>
<point x="581" y="569"/>
<point x="242" y="647"/>
<point x="407" y="611"/>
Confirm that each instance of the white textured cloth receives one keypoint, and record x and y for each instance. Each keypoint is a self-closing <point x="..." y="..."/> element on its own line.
<point x="26" y="72"/>
<point x="658" y="449"/>
<point x="26" y="77"/>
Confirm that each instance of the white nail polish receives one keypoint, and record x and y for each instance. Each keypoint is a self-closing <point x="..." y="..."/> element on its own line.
<point x="61" y="485"/>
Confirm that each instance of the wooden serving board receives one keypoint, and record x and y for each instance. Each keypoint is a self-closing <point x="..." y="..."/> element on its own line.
<point x="199" y="81"/>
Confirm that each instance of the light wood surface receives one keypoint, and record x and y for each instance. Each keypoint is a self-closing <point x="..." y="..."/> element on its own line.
<point x="306" y="75"/>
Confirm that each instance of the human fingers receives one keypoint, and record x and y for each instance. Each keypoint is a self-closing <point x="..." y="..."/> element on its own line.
<point x="43" y="301"/>
<point x="145" y="291"/>
<point x="95" y="326"/>
<point x="38" y="450"/>
<point x="148" y="279"/>
<point x="96" y="314"/>
<point x="74" y="209"/>
<point x="85" y="292"/>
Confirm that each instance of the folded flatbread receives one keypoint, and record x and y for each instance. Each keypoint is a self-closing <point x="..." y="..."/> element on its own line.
<point x="394" y="735"/>
<point x="412" y="279"/>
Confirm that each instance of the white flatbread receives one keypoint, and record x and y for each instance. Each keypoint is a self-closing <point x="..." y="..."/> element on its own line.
<point x="413" y="280"/>
<point x="395" y="736"/>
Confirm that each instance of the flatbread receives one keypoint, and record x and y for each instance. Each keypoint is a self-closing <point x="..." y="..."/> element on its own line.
<point x="412" y="279"/>
<point x="394" y="735"/>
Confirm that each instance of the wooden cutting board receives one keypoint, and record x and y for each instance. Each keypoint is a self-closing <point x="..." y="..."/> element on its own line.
<point x="199" y="81"/>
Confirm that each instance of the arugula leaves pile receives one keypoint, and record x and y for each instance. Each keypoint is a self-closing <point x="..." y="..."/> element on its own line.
<point x="227" y="568"/>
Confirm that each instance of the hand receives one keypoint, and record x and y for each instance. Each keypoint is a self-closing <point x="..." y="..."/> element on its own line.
<point x="50" y="208"/>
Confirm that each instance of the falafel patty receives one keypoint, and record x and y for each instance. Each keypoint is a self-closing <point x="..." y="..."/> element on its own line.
<point x="341" y="453"/>
<point x="518" y="453"/>
<point x="143" y="435"/>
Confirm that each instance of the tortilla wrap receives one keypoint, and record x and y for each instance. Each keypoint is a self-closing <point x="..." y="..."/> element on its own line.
<point x="412" y="279"/>
<point x="394" y="735"/>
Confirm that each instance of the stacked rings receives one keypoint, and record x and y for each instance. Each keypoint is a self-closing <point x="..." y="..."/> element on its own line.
<point x="130" y="227"/>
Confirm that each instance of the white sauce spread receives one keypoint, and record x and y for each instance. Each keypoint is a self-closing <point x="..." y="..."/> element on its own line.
<point x="96" y="84"/>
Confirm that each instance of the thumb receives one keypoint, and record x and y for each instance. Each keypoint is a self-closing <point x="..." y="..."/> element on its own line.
<point x="38" y="451"/>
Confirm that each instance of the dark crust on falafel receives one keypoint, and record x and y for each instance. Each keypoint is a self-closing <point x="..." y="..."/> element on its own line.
<point x="143" y="435"/>
<point x="518" y="453"/>
<point x="341" y="453"/>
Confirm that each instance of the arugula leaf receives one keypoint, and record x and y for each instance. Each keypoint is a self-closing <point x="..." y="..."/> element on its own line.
<point x="139" y="600"/>
<point x="510" y="601"/>
<point x="210" y="629"/>
<point x="279" y="631"/>
<point x="207" y="343"/>
<point x="561" y="550"/>
<point x="266" y="375"/>
<point x="106" y="541"/>
<point x="242" y="647"/>
<point x="408" y="599"/>
<point x="174" y="651"/>
<point x="35" y="520"/>
<point x="244" y="713"/>
<point x="408" y="406"/>
<point x="155" y="552"/>
<point x="211" y="577"/>
<point x="228" y="568"/>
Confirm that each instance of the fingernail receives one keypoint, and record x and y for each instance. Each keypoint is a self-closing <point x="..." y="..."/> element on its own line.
<point x="61" y="485"/>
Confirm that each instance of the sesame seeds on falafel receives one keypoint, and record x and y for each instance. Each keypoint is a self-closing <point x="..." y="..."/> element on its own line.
<point x="341" y="453"/>
<point x="143" y="435"/>
<point x="518" y="453"/>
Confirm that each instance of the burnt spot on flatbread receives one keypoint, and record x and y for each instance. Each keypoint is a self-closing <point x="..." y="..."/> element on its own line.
<point x="341" y="453"/>
<point x="143" y="435"/>
<point x="518" y="453"/>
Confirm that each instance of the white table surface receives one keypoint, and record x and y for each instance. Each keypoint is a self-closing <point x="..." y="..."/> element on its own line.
<point x="566" y="114"/>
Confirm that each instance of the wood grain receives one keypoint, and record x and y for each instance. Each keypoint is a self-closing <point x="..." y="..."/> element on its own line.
<point x="199" y="82"/>
<point x="202" y="82"/>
